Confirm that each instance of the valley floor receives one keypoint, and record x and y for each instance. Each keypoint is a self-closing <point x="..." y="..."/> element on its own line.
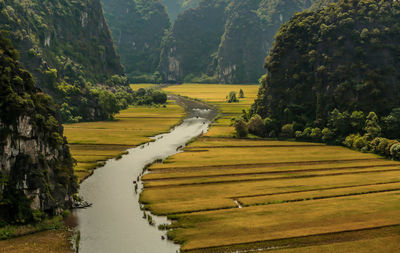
<point x="241" y="195"/>
<point x="92" y="143"/>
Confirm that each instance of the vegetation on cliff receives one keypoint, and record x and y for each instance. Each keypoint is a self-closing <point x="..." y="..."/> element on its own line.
<point x="334" y="73"/>
<point x="219" y="35"/>
<point x="67" y="47"/>
<point x="36" y="168"/>
<point x="137" y="27"/>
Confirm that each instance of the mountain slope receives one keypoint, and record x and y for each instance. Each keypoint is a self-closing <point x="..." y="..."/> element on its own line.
<point x="175" y="7"/>
<point x="232" y="48"/>
<point x="35" y="164"/>
<point x="138" y="27"/>
<point x="345" y="56"/>
<point x="67" y="46"/>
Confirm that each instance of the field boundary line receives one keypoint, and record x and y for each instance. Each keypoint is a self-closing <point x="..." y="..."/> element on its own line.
<point x="255" y="165"/>
<point x="267" y="172"/>
<point x="268" y="179"/>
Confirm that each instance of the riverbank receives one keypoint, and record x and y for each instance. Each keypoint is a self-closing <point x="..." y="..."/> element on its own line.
<point x="92" y="143"/>
<point x="243" y="195"/>
<point x="116" y="221"/>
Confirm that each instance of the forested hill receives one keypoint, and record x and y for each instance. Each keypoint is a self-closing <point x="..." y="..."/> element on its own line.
<point x="224" y="41"/>
<point x="344" y="56"/>
<point x="67" y="46"/>
<point x="36" y="174"/>
<point x="138" y="27"/>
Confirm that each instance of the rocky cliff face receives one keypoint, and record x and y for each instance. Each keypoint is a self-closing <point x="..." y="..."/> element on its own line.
<point x="36" y="169"/>
<point x="138" y="27"/>
<point x="228" y="41"/>
<point x="189" y="50"/>
<point x="67" y="47"/>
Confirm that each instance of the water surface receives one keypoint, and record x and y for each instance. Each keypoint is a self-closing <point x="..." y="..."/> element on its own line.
<point x="115" y="222"/>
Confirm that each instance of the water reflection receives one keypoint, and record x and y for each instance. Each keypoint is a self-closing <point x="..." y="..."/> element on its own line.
<point x="115" y="222"/>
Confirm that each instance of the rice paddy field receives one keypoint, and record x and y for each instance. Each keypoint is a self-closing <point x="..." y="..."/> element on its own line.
<point x="244" y="195"/>
<point x="215" y="94"/>
<point x="91" y="143"/>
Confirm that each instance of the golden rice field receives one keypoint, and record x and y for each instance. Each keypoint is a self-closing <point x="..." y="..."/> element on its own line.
<point x="246" y="195"/>
<point x="56" y="241"/>
<point x="215" y="94"/>
<point x="94" y="142"/>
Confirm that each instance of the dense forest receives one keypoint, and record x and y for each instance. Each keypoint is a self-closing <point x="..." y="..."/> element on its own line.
<point x="67" y="47"/>
<point x="36" y="175"/>
<point x="332" y="75"/>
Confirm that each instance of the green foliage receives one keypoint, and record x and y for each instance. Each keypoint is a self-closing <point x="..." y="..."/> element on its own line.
<point x="137" y="28"/>
<point x="343" y="56"/>
<point x="372" y="127"/>
<point x="287" y="131"/>
<point x="216" y="42"/>
<point x="241" y="94"/>
<point x="240" y="128"/>
<point x="20" y="99"/>
<point x="67" y="46"/>
<point x="231" y="98"/>
<point x="256" y="125"/>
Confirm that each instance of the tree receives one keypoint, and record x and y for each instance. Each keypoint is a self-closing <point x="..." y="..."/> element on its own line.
<point x="372" y="127"/>
<point x="240" y="128"/>
<point x="256" y="125"/>
<point x="108" y="103"/>
<point x="391" y="124"/>
<point x="232" y="97"/>
<point x="316" y="134"/>
<point x="241" y="94"/>
<point x="357" y="121"/>
<point x="287" y="131"/>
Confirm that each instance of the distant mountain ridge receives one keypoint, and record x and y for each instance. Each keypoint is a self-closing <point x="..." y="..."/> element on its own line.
<point x="224" y="41"/>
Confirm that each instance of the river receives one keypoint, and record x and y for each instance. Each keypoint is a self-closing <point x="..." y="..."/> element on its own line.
<point x="115" y="223"/>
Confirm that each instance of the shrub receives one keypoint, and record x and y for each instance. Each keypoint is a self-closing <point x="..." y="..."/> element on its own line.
<point x="241" y="94"/>
<point x="232" y="97"/>
<point x="349" y="141"/>
<point x="287" y="131"/>
<point x="360" y="143"/>
<point x="316" y="134"/>
<point x="395" y="150"/>
<point x="256" y="125"/>
<point x="327" y="134"/>
<point x="240" y="128"/>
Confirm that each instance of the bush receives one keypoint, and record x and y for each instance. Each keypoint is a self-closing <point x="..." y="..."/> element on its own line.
<point x="360" y="143"/>
<point x="327" y="135"/>
<point x="240" y="128"/>
<point x="232" y="97"/>
<point x="241" y="94"/>
<point x="316" y="134"/>
<point x="349" y="141"/>
<point x="287" y="131"/>
<point x="395" y="150"/>
<point x="256" y="125"/>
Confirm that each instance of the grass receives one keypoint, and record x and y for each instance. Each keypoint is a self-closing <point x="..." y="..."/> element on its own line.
<point x="295" y="197"/>
<point x="92" y="143"/>
<point x="137" y="86"/>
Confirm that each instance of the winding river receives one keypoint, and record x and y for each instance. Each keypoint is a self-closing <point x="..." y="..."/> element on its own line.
<point x="115" y="223"/>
